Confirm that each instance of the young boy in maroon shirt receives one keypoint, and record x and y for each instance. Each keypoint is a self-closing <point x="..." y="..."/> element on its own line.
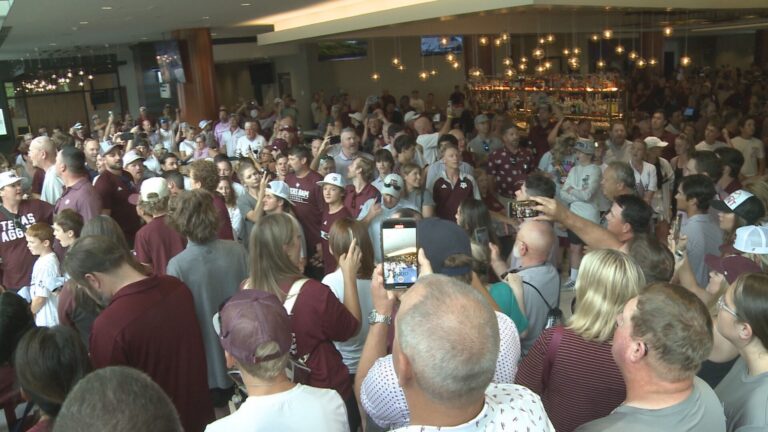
<point x="333" y="194"/>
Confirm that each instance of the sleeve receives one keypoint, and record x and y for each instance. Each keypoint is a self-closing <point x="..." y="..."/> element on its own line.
<point x="509" y="351"/>
<point x="426" y="198"/>
<point x="695" y="251"/>
<point x="382" y="397"/>
<point x="653" y="179"/>
<point x="530" y="373"/>
<point x="593" y="183"/>
<point x="545" y="162"/>
<point x="140" y="248"/>
<point x="565" y="196"/>
<point x="491" y="165"/>
<point x="102" y="190"/>
<point x="366" y="208"/>
<point x="105" y="349"/>
<point x="46" y="212"/>
<point x="428" y="141"/>
<point x="338" y="323"/>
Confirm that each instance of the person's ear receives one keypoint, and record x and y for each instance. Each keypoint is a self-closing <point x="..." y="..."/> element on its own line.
<point x="523" y="249"/>
<point x="745" y="331"/>
<point x="403" y="368"/>
<point x="93" y="281"/>
<point x="636" y="350"/>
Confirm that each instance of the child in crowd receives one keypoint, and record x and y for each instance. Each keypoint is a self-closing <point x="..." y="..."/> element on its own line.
<point x="45" y="275"/>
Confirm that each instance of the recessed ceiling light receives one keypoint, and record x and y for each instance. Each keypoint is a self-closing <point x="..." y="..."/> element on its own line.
<point x="144" y="38"/>
<point x="106" y="8"/>
<point x="52" y="44"/>
<point x="206" y="17"/>
<point x="245" y="4"/>
<point x="83" y="22"/>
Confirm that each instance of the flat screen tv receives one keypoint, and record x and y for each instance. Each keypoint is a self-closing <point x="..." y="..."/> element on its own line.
<point x="169" y="61"/>
<point x="430" y="45"/>
<point x="342" y="50"/>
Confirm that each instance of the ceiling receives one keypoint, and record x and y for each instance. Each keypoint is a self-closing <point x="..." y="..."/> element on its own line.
<point x="72" y="27"/>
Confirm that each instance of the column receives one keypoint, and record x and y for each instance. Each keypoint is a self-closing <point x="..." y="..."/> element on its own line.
<point x="197" y="97"/>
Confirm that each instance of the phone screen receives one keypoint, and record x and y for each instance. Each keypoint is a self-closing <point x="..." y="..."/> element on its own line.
<point x="399" y="253"/>
<point x="481" y="236"/>
<point x="688" y="112"/>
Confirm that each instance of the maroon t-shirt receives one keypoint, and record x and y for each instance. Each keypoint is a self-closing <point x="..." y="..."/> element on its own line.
<point x="17" y="261"/>
<point x="354" y="201"/>
<point x="449" y="197"/>
<point x="329" y="262"/>
<point x="37" y="181"/>
<point x="319" y="318"/>
<point x="151" y="325"/>
<point x="539" y="137"/>
<point x="307" y="199"/>
<point x="156" y="243"/>
<point x="114" y="192"/>
<point x="510" y="169"/>
<point x="225" y="223"/>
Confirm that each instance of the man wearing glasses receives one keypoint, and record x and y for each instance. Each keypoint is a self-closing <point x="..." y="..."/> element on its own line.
<point x="483" y="143"/>
<point x="662" y="336"/>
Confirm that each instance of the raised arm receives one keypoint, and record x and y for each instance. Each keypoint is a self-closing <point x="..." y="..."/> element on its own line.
<point x="593" y="235"/>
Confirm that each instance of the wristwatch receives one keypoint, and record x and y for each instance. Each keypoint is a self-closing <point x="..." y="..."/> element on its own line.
<point x="376" y="317"/>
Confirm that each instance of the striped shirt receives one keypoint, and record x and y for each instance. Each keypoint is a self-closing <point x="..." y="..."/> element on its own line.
<point x="584" y="383"/>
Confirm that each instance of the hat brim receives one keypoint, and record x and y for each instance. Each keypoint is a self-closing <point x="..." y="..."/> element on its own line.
<point x="323" y="183"/>
<point x="720" y="205"/>
<point x="271" y="192"/>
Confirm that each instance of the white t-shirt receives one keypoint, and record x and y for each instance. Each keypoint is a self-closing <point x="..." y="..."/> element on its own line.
<point x="53" y="187"/>
<point x="166" y="138"/>
<point x="430" y="147"/>
<point x="301" y="408"/>
<point x="45" y="279"/>
<point x="351" y="349"/>
<point x="647" y="180"/>
<point x="188" y="147"/>
<point x="704" y="146"/>
<point x="229" y="139"/>
<point x="752" y="149"/>
<point x="246" y="146"/>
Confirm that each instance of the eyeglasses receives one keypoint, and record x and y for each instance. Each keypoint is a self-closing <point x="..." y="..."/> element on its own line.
<point x="721" y="305"/>
<point x="392" y="185"/>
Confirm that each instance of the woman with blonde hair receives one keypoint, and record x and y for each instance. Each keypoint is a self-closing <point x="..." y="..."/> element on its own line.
<point x="572" y="367"/>
<point x="318" y="318"/>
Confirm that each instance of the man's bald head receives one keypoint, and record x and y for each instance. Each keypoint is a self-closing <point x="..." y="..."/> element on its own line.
<point x="538" y="235"/>
<point x="45" y="146"/>
<point x="422" y="125"/>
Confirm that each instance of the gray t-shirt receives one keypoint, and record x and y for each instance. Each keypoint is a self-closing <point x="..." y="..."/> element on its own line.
<point x="745" y="399"/>
<point x="547" y="280"/>
<point x="700" y="412"/>
<point x="704" y="237"/>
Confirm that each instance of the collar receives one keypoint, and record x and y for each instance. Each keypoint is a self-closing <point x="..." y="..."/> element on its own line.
<point x="79" y="184"/>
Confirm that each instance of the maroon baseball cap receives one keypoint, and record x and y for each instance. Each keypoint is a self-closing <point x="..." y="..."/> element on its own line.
<point x="731" y="266"/>
<point x="250" y="318"/>
<point x="279" y="144"/>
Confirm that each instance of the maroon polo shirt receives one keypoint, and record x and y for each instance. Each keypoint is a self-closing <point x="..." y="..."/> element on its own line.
<point x="329" y="262"/>
<point x="114" y="192"/>
<point x="82" y="198"/>
<point x="318" y="319"/>
<point x="307" y="199"/>
<point x="539" y="137"/>
<point x="225" y="223"/>
<point x="156" y="243"/>
<point x="510" y="169"/>
<point x="17" y="262"/>
<point x="354" y="201"/>
<point x="449" y="197"/>
<point x="151" y="325"/>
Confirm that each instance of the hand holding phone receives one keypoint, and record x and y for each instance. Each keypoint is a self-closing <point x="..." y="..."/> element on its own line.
<point x="399" y="253"/>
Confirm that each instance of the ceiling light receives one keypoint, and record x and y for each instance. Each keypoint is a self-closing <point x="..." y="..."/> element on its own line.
<point x="450" y="57"/>
<point x="395" y="61"/>
<point x="522" y="67"/>
<point x="206" y="17"/>
<point x="423" y="75"/>
<point x="550" y="38"/>
<point x="600" y="64"/>
<point x="444" y="40"/>
<point x="641" y="63"/>
<point x="509" y="72"/>
<point x="619" y="49"/>
<point x="607" y="34"/>
<point x="245" y="4"/>
<point x="433" y="72"/>
<point x="83" y="22"/>
<point x="537" y="53"/>
<point x="566" y="52"/>
<point x="576" y="50"/>
<point x="106" y="8"/>
<point x="523" y="59"/>
<point x="455" y="65"/>
<point x="506" y="61"/>
<point x="652" y="61"/>
<point x="633" y="55"/>
<point x="667" y="31"/>
<point x="497" y="42"/>
<point x="483" y="41"/>
<point x="375" y="76"/>
<point x="595" y="37"/>
<point x="685" y="61"/>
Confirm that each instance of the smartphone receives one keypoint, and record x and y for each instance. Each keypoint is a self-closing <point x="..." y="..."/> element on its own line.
<point x="688" y="113"/>
<point x="436" y="118"/>
<point x="399" y="253"/>
<point x="126" y="136"/>
<point x="522" y="209"/>
<point x="481" y="236"/>
<point x="677" y="225"/>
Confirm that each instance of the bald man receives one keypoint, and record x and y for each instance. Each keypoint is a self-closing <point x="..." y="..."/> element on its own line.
<point x="531" y="249"/>
<point x="427" y="137"/>
<point x="42" y="153"/>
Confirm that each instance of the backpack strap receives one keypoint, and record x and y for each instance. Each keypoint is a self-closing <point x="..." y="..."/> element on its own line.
<point x="293" y="294"/>
<point x="549" y="357"/>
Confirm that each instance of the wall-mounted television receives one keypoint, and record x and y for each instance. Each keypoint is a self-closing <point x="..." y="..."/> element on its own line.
<point x="342" y="50"/>
<point x="169" y="61"/>
<point x="430" y="45"/>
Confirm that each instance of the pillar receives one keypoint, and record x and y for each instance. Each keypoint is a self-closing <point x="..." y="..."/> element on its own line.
<point x="761" y="47"/>
<point x="197" y="97"/>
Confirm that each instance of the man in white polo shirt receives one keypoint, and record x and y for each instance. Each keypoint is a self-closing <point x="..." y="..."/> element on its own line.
<point x="251" y="142"/>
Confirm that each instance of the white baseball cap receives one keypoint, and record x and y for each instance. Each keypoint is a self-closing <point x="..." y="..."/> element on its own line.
<point x="393" y="184"/>
<point x="152" y="189"/>
<point x="651" y="142"/>
<point x="279" y="189"/>
<point x="203" y="123"/>
<point x="752" y="239"/>
<point x="8" y="178"/>
<point x="410" y="116"/>
<point x="131" y="157"/>
<point x="358" y="116"/>
<point x="334" y="179"/>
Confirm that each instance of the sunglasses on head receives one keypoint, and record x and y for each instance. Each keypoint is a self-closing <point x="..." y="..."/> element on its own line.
<point x="392" y="185"/>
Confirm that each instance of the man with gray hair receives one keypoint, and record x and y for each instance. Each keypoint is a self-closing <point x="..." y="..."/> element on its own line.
<point x="42" y="153"/>
<point x="347" y="151"/>
<point x="618" y="179"/>
<point x="445" y="349"/>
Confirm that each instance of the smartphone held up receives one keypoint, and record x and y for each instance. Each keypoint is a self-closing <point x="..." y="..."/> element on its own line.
<point x="399" y="253"/>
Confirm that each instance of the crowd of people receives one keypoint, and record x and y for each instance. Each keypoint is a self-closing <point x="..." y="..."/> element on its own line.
<point x="166" y="273"/>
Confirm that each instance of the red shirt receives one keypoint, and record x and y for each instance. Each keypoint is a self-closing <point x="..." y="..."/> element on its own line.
<point x="156" y="243"/>
<point x="82" y="198"/>
<point x="114" y="192"/>
<point x="354" y="201"/>
<point x="151" y="325"/>
<point x="17" y="262"/>
<point x="225" y="223"/>
<point x="449" y="197"/>
<point x="329" y="262"/>
<point x="584" y="383"/>
<point x="510" y="169"/>
<point x="307" y="199"/>
<point x="318" y="319"/>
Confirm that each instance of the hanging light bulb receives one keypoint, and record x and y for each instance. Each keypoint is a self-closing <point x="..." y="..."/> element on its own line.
<point x="505" y="36"/>
<point x="483" y="40"/>
<point x="550" y="38"/>
<point x="69" y="74"/>
<point x="444" y="40"/>
<point x="450" y="57"/>
<point x="619" y="49"/>
<point x="547" y="65"/>
<point x="607" y="33"/>
<point x="574" y="63"/>
<point x="375" y="76"/>
<point x="456" y="65"/>
<point x="540" y="68"/>
<point x="641" y="63"/>
<point x="633" y="55"/>
<point x="542" y="40"/>
<point x="81" y="73"/>
<point x="595" y="37"/>
<point x="433" y="71"/>
<point x="600" y="63"/>
<point x="401" y="67"/>
<point x="566" y="52"/>
<point x="475" y="73"/>
<point x="423" y="75"/>
<point x="509" y="72"/>
<point x="80" y="83"/>
<point x="523" y="59"/>
<point x="538" y="53"/>
<point x="667" y="31"/>
<point x="507" y="61"/>
<point x="685" y="61"/>
<point x="522" y="67"/>
<point x="497" y="42"/>
<point x="652" y="61"/>
<point x="90" y="77"/>
<point x="576" y="50"/>
<point x="396" y="61"/>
